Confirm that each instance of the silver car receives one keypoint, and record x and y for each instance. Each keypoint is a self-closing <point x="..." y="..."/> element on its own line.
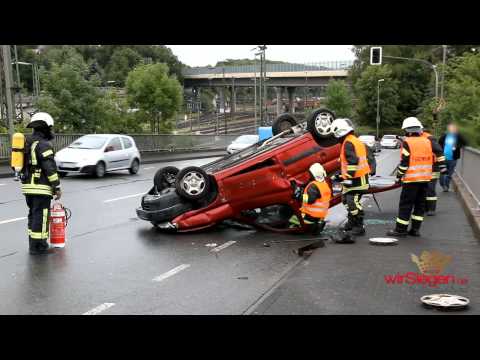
<point x="97" y="154"/>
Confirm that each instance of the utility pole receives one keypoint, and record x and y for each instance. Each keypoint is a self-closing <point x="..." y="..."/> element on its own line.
<point x="444" y="60"/>
<point x="7" y="75"/>
<point x="17" y="70"/>
<point x="378" y="107"/>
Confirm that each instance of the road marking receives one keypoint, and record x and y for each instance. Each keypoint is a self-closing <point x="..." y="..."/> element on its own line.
<point x="223" y="246"/>
<point x="11" y="220"/>
<point x="149" y="168"/>
<point x="171" y="272"/>
<point x="3" y="184"/>
<point x="123" y="197"/>
<point x="99" y="309"/>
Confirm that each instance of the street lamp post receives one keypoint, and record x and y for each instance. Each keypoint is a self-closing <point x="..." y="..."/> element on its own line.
<point x="378" y="106"/>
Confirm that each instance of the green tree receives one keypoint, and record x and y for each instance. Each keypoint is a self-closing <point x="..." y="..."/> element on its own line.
<point x="69" y="97"/>
<point x="121" y="63"/>
<point x="339" y="98"/>
<point x="366" y="92"/>
<point x="463" y="95"/>
<point x="157" y="95"/>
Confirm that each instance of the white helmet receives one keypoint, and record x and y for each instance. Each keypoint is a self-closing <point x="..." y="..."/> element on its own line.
<point x="41" y="116"/>
<point x="341" y="127"/>
<point x="318" y="172"/>
<point x="412" y="123"/>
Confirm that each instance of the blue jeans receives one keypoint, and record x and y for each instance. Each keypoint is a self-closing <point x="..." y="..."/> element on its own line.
<point x="447" y="177"/>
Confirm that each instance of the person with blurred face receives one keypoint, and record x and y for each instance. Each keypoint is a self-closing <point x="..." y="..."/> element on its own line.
<point x="452" y="143"/>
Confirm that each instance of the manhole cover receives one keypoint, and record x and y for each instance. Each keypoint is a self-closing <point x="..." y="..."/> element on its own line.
<point x="383" y="241"/>
<point x="445" y="301"/>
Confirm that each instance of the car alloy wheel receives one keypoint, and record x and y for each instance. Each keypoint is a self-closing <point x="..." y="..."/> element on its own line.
<point x="135" y="167"/>
<point x="192" y="183"/>
<point x="100" y="169"/>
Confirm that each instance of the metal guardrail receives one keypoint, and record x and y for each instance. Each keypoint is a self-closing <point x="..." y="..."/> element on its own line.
<point x="320" y="66"/>
<point x="467" y="172"/>
<point x="145" y="143"/>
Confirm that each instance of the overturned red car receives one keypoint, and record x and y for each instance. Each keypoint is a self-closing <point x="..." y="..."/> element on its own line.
<point x="237" y="186"/>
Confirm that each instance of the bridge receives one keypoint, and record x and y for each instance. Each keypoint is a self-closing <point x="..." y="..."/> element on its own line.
<point x="282" y="77"/>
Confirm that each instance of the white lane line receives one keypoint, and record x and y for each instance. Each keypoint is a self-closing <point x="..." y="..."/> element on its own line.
<point x="99" y="309"/>
<point x="149" y="168"/>
<point x="11" y="220"/>
<point x="223" y="246"/>
<point x="123" y="197"/>
<point x="172" y="272"/>
<point x="3" y="184"/>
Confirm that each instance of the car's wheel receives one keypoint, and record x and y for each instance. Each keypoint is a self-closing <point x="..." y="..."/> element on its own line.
<point x="100" y="169"/>
<point x="62" y="174"/>
<point x="192" y="183"/>
<point x="319" y="124"/>
<point x="282" y="123"/>
<point x="165" y="178"/>
<point x="135" y="167"/>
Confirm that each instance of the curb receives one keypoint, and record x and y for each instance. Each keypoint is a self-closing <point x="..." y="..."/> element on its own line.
<point x="470" y="206"/>
<point x="159" y="160"/>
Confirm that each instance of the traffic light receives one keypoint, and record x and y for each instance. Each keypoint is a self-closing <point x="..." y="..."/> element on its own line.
<point x="375" y="56"/>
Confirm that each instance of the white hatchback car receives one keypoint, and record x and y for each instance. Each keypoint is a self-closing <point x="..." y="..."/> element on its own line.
<point x="97" y="154"/>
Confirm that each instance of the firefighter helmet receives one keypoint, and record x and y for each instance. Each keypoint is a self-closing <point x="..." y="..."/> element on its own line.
<point x="318" y="172"/>
<point x="342" y="127"/>
<point x="40" y="117"/>
<point x="412" y="124"/>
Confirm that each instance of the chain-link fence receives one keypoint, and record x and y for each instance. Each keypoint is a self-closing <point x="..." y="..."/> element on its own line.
<point x="145" y="143"/>
<point x="467" y="171"/>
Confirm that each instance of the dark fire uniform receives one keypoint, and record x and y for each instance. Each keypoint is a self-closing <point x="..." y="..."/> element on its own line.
<point x="39" y="183"/>
<point x="416" y="170"/>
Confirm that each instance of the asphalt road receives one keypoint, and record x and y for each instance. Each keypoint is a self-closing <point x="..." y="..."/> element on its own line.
<point x="115" y="263"/>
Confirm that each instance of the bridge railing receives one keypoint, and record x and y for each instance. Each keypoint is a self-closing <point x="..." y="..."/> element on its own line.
<point x="145" y="142"/>
<point x="467" y="172"/>
<point x="319" y="66"/>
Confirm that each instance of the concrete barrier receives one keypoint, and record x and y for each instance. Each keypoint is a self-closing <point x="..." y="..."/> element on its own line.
<point x="145" y="142"/>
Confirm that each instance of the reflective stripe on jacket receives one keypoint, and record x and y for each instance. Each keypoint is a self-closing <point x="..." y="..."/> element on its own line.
<point x="420" y="166"/>
<point x="41" y="173"/>
<point x="319" y="208"/>
<point x="361" y="168"/>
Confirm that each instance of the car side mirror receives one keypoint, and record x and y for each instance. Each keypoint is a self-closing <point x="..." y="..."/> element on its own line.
<point x="109" y="148"/>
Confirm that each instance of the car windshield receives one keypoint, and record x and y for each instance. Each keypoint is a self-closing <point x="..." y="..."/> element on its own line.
<point x="246" y="139"/>
<point x="88" y="142"/>
<point x="389" y="137"/>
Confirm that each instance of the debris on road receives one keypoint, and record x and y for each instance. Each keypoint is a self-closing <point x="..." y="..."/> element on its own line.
<point x="211" y="245"/>
<point x="384" y="241"/>
<point x="344" y="237"/>
<point x="445" y="301"/>
<point x="308" y="249"/>
<point x="242" y="278"/>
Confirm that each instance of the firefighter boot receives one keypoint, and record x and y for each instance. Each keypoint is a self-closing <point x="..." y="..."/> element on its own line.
<point x="358" y="227"/>
<point x="415" y="229"/>
<point x="397" y="232"/>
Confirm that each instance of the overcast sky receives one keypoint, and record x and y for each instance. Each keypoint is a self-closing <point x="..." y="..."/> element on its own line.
<point x="203" y="55"/>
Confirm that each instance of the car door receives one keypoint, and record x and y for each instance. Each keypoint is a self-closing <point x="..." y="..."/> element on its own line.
<point x="128" y="150"/>
<point x="114" y="154"/>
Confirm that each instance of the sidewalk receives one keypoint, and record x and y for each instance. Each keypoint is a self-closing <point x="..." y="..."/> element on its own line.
<point x="350" y="279"/>
<point x="147" y="158"/>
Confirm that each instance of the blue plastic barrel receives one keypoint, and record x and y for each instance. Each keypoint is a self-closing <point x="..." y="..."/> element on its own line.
<point x="264" y="132"/>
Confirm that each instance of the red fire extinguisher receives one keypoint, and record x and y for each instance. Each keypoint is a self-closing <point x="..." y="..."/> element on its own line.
<point x="59" y="216"/>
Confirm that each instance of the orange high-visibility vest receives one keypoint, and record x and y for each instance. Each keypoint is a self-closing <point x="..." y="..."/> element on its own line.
<point x="362" y="168"/>
<point x="426" y="135"/>
<point x="319" y="208"/>
<point x="421" y="160"/>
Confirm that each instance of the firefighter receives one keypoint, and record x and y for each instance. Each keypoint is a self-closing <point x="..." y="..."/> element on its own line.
<point x="354" y="175"/>
<point x="40" y="181"/>
<point x="431" y="199"/>
<point x="315" y="200"/>
<point x="415" y="171"/>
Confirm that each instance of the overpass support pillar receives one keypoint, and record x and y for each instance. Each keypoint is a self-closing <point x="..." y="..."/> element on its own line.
<point x="221" y="97"/>
<point x="279" y="91"/>
<point x="233" y="105"/>
<point x="291" y="99"/>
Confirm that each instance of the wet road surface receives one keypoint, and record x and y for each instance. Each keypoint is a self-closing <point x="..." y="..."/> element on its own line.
<point x="115" y="263"/>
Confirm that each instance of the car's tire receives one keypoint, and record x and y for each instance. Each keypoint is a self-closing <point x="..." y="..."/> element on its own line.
<point x="100" y="169"/>
<point x="62" y="174"/>
<point x="319" y="124"/>
<point x="282" y="123"/>
<point x="165" y="178"/>
<point x="135" y="167"/>
<point x="193" y="183"/>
